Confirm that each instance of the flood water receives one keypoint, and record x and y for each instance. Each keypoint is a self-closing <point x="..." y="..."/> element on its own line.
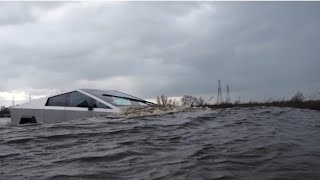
<point x="237" y="143"/>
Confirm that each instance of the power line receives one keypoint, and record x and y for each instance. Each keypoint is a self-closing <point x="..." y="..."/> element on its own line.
<point x="209" y="100"/>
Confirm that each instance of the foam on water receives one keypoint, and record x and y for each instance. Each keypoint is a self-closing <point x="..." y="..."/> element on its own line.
<point x="150" y="111"/>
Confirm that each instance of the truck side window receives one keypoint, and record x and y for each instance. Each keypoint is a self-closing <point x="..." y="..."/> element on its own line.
<point x="59" y="100"/>
<point x="78" y="99"/>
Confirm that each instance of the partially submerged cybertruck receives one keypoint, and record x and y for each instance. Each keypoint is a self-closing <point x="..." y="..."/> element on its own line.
<point x="77" y="104"/>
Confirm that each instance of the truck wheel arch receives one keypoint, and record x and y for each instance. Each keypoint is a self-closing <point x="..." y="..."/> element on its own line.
<point x="26" y="120"/>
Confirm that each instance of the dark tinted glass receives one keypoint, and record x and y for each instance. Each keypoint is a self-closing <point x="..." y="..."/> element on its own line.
<point x="119" y="101"/>
<point x="57" y="100"/>
<point x="116" y="98"/>
<point x="97" y="104"/>
<point x="78" y="99"/>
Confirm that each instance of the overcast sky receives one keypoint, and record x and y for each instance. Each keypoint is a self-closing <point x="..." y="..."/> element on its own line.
<point x="261" y="49"/>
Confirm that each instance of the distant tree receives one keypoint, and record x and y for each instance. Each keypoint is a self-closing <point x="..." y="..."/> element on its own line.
<point x="198" y="101"/>
<point x="173" y="102"/>
<point x="188" y="100"/>
<point x="4" y="111"/>
<point x="165" y="101"/>
<point x="297" y="98"/>
<point x="162" y="100"/>
<point x="158" y="100"/>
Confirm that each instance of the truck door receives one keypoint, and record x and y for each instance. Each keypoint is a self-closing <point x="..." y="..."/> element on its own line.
<point x="55" y="109"/>
<point x="78" y="106"/>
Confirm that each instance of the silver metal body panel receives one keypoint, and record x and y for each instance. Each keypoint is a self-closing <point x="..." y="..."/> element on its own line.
<point x="17" y="114"/>
<point x="53" y="114"/>
<point x="56" y="114"/>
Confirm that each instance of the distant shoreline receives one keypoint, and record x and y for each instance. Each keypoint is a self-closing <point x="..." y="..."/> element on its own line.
<point x="310" y="104"/>
<point x="296" y="101"/>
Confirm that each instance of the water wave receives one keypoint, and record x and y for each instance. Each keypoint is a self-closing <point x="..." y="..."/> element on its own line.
<point x="172" y="143"/>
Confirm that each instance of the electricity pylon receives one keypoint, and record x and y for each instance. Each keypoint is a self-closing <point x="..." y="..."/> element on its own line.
<point x="219" y="95"/>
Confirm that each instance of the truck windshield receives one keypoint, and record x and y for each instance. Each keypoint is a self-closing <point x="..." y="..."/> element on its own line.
<point x="122" y="101"/>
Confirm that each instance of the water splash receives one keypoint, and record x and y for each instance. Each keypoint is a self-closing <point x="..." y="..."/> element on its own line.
<point x="160" y="110"/>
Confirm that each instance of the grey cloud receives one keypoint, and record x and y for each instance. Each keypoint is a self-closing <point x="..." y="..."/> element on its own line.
<point x="260" y="49"/>
<point x="12" y="13"/>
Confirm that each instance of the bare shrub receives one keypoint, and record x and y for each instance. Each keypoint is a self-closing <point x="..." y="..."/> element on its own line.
<point x="188" y="100"/>
<point x="165" y="101"/>
<point x="297" y="98"/>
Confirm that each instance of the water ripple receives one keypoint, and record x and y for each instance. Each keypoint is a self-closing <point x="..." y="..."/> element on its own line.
<point x="234" y="143"/>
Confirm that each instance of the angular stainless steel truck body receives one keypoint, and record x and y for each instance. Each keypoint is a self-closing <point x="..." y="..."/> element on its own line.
<point x="77" y="104"/>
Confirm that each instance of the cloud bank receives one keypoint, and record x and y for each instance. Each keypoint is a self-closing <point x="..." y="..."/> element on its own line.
<point x="261" y="49"/>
